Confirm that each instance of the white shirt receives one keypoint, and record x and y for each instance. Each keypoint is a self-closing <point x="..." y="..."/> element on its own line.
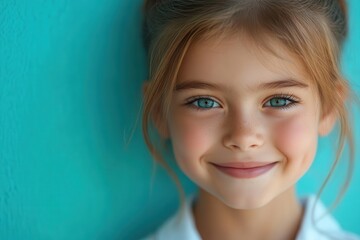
<point x="181" y="226"/>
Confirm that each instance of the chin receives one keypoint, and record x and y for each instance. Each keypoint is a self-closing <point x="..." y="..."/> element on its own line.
<point x="245" y="202"/>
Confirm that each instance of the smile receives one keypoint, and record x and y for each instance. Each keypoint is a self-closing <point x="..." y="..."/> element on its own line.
<point x="245" y="172"/>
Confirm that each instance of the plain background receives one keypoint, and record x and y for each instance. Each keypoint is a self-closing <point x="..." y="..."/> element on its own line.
<point x="70" y="91"/>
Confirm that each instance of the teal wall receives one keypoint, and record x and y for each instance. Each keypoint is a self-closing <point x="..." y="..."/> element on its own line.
<point x="70" y="90"/>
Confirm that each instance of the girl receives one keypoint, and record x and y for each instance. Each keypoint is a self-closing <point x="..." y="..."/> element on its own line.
<point x="243" y="89"/>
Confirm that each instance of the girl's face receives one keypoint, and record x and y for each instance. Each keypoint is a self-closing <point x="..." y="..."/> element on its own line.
<point x="232" y="104"/>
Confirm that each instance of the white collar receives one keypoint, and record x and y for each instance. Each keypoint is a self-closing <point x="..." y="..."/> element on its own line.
<point x="181" y="226"/>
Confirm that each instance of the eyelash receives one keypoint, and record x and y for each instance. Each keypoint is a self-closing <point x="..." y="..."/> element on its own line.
<point x="289" y="97"/>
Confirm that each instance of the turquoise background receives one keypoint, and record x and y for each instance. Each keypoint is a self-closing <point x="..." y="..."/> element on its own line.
<point x="70" y="89"/>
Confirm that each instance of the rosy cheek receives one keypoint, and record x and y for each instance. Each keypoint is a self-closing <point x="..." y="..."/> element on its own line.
<point x="294" y="136"/>
<point x="190" y="138"/>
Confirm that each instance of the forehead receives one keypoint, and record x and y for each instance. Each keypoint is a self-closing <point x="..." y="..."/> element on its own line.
<point x="241" y="58"/>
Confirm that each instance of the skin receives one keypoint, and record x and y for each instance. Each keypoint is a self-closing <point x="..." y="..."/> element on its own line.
<point x="242" y="124"/>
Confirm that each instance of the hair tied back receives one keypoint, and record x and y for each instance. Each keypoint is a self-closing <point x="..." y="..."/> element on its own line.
<point x="148" y="4"/>
<point x="343" y="7"/>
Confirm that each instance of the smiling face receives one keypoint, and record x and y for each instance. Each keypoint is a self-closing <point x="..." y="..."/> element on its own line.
<point x="229" y="106"/>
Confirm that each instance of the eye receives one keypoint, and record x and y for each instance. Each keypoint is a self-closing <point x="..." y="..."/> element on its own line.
<point x="203" y="103"/>
<point x="281" y="101"/>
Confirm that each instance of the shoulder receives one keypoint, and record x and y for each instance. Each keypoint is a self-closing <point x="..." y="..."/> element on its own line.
<point x="325" y="226"/>
<point x="178" y="227"/>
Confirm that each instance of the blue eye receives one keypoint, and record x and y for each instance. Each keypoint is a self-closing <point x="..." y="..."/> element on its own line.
<point x="203" y="103"/>
<point x="282" y="102"/>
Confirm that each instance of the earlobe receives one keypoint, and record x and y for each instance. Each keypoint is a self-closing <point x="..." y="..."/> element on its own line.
<point x="145" y="87"/>
<point x="156" y="117"/>
<point x="160" y="123"/>
<point x="327" y="123"/>
<point x="328" y="120"/>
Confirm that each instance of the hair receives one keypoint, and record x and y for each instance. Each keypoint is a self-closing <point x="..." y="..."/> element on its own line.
<point x="313" y="30"/>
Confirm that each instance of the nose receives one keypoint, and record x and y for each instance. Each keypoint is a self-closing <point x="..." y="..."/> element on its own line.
<point x="243" y="133"/>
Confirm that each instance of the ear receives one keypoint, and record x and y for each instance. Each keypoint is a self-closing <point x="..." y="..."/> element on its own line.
<point x="328" y="119"/>
<point x="327" y="122"/>
<point x="157" y="117"/>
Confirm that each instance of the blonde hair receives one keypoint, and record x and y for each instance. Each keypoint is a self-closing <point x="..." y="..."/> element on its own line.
<point x="313" y="30"/>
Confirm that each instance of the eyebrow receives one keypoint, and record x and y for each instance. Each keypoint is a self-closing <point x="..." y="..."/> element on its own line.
<point x="268" y="85"/>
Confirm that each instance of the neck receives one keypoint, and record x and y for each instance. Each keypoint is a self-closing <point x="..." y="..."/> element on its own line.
<point x="279" y="219"/>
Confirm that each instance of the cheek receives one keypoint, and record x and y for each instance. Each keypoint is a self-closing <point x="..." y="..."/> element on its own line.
<point x="296" y="137"/>
<point x="190" y="138"/>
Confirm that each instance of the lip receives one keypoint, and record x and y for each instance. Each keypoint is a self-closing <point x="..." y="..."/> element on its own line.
<point x="245" y="169"/>
<point x="243" y="164"/>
